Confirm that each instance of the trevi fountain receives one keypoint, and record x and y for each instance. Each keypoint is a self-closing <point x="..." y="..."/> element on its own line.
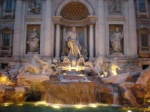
<point x="75" y="80"/>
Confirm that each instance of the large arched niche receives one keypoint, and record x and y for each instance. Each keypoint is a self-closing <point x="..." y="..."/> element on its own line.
<point x="78" y="13"/>
<point x="63" y="3"/>
<point x="74" y="11"/>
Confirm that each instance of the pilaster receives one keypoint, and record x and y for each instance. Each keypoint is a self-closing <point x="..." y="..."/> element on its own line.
<point x="17" y="29"/>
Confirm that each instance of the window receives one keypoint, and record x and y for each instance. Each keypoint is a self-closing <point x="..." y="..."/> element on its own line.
<point x="6" y="40"/>
<point x="144" y="40"/>
<point x="8" y="5"/>
<point x="142" y="6"/>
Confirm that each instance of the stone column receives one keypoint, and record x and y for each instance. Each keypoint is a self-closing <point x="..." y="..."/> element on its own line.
<point x="91" y="42"/>
<point x="17" y="29"/>
<point x="100" y="29"/>
<point x="1" y="8"/>
<point x="0" y="42"/>
<point x="132" y="28"/>
<point x="48" y="43"/>
<point x="85" y="37"/>
<point x="64" y="33"/>
<point x="57" y="47"/>
<point x="23" y="36"/>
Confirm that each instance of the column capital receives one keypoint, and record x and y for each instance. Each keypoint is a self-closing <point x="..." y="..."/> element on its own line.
<point x="56" y="19"/>
<point x="92" y="19"/>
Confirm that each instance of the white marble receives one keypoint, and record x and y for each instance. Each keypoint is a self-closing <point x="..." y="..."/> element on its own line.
<point x="100" y="29"/>
<point x="48" y="39"/>
<point x="91" y="42"/>
<point x="57" y="47"/>
<point x="132" y="28"/>
<point x="95" y="28"/>
<point x="17" y="29"/>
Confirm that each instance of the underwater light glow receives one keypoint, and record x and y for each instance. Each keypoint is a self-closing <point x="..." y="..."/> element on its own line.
<point x="20" y="104"/>
<point x="93" y="105"/>
<point x="7" y="104"/>
<point x="79" y="106"/>
<point x="41" y="103"/>
<point x="55" y="106"/>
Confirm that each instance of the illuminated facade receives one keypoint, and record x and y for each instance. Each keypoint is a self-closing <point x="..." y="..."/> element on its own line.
<point x="29" y="27"/>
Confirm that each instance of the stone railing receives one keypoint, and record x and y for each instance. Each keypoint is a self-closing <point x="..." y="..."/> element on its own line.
<point x="144" y="49"/>
<point x="6" y="50"/>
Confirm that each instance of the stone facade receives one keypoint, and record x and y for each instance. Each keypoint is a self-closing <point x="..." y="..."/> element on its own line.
<point x="95" y="20"/>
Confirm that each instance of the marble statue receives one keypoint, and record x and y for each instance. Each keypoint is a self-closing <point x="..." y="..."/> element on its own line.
<point x="80" y="61"/>
<point x="13" y="69"/>
<point x="73" y="43"/>
<point x="113" y="67"/>
<point x="33" y="41"/>
<point x="33" y="67"/>
<point x="37" y="66"/>
<point x="115" y="41"/>
<point x="99" y="62"/>
<point x="115" y="7"/>
<point x="46" y="66"/>
<point x="34" y="6"/>
<point x="66" y="61"/>
<point x="97" y="66"/>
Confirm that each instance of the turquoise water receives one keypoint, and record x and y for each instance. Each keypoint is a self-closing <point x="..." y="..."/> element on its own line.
<point x="32" y="107"/>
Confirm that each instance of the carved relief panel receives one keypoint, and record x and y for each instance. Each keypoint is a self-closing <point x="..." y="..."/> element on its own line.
<point x="34" y="7"/>
<point x="116" y="39"/>
<point x="115" y="7"/>
<point x="33" y="39"/>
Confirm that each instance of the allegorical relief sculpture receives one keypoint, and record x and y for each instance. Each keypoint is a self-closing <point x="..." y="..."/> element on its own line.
<point x="34" y="6"/>
<point x="115" y="41"/>
<point x="115" y="7"/>
<point x="33" y="41"/>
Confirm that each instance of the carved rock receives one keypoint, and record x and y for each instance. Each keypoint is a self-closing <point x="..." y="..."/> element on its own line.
<point x="145" y="76"/>
<point x="116" y="79"/>
<point x="25" y="79"/>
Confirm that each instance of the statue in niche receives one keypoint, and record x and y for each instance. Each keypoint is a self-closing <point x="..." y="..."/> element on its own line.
<point x="73" y="49"/>
<point x="33" y="41"/>
<point x="115" y="41"/>
<point x="115" y="6"/>
<point x="73" y="43"/>
<point x="34" y="6"/>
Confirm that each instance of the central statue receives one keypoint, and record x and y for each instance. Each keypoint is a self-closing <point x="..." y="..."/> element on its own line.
<point x="73" y="49"/>
<point x="73" y="43"/>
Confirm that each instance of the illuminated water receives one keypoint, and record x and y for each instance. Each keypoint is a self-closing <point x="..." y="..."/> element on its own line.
<point x="44" y="107"/>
